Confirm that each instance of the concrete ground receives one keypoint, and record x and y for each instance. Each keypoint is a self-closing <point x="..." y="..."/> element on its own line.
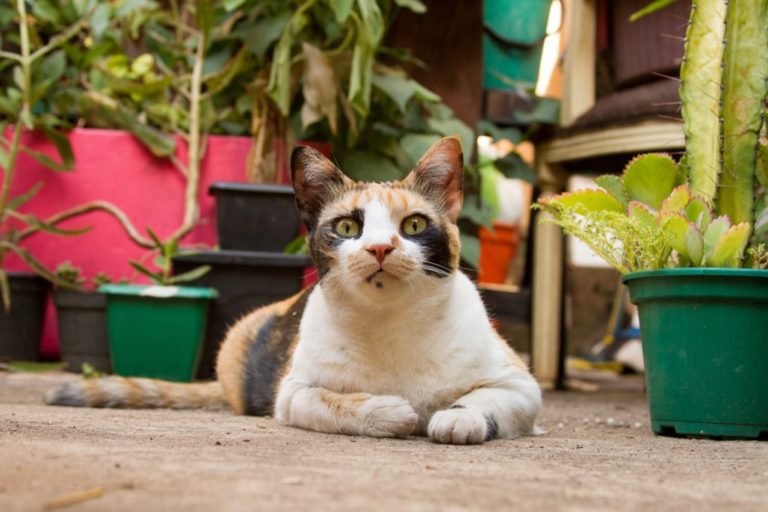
<point x="598" y="454"/>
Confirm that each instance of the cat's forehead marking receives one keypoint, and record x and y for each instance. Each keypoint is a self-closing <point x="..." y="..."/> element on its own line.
<point x="393" y="195"/>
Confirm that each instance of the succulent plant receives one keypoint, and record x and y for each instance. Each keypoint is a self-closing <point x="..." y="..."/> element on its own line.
<point x="706" y="209"/>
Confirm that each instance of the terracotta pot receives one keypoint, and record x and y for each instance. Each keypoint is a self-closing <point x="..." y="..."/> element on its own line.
<point x="498" y="249"/>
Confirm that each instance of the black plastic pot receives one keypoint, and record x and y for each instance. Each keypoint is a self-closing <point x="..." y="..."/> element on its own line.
<point x="255" y="217"/>
<point x="21" y="328"/>
<point x="245" y="281"/>
<point x="82" y="319"/>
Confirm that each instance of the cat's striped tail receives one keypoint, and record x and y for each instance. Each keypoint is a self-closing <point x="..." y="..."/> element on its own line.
<point x="136" y="393"/>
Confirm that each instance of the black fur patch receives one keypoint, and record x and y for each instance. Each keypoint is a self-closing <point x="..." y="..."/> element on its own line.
<point x="493" y="428"/>
<point x="69" y="394"/>
<point x="438" y="250"/>
<point x="267" y="356"/>
<point x="323" y="241"/>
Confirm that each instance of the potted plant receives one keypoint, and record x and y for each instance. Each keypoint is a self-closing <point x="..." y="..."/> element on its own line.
<point x="81" y="316"/>
<point x="690" y="236"/>
<point x="157" y="330"/>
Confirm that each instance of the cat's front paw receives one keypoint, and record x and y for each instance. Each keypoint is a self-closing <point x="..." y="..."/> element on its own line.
<point x="388" y="416"/>
<point x="459" y="426"/>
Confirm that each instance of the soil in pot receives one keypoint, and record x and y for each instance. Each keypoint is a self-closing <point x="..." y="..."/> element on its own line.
<point x="20" y="329"/>
<point x="705" y="348"/>
<point x="82" y="322"/>
<point x="244" y="281"/>
<point x="156" y="331"/>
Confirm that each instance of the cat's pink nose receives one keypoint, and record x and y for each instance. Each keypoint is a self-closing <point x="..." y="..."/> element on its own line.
<point x="380" y="251"/>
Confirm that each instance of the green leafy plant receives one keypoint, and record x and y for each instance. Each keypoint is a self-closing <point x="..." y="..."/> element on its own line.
<point x="165" y="252"/>
<point x="708" y="208"/>
<point x="36" y="68"/>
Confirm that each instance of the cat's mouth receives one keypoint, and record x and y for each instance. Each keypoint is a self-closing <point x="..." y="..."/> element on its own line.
<point x="375" y="278"/>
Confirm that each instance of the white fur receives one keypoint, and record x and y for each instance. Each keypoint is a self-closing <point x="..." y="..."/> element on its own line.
<point x="415" y="346"/>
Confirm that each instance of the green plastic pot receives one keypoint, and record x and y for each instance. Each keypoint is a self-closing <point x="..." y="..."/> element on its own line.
<point x="705" y="345"/>
<point x="513" y="39"/>
<point x="156" y="331"/>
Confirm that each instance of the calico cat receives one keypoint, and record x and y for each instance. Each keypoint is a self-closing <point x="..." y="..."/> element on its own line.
<point x="394" y="340"/>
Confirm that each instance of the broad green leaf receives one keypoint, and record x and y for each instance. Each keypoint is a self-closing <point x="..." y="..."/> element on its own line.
<point x="513" y="166"/>
<point x="341" y="9"/>
<point x="695" y="244"/>
<point x="414" y="145"/>
<point x="232" y="5"/>
<point x="53" y="66"/>
<point x="713" y="233"/>
<point x="18" y="201"/>
<point x="480" y="215"/>
<point x="454" y="126"/>
<point x="699" y="212"/>
<point x="142" y="64"/>
<point x="675" y="226"/>
<point x="297" y="246"/>
<point x="470" y="249"/>
<point x="614" y="186"/>
<point x="192" y="275"/>
<point x="366" y="165"/>
<point x="99" y="21"/>
<point x="360" y="76"/>
<point x="485" y="127"/>
<point x="414" y="5"/>
<point x="279" y="87"/>
<point x="223" y="77"/>
<point x="650" y="178"/>
<point x="729" y="250"/>
<point x="264" y="33"/>
<point x="677" y="200"/>
<point x="643" y="213"/>
<point x="587" y="200"/>
<point x="400" y="88"/>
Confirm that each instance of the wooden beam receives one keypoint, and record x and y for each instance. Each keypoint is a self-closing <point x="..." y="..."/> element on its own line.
<point x="648" y="136"/>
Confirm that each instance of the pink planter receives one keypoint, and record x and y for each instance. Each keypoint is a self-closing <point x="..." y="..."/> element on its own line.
<point x="113" y="166"/>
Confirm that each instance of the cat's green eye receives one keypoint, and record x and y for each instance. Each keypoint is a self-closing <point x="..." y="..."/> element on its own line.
<point x="347" y="227"/>
<point x="414" y="224"/>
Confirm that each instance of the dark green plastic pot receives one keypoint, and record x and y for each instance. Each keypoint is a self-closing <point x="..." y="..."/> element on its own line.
<point x="705" y="344"/>
<point x="156" y="331"/>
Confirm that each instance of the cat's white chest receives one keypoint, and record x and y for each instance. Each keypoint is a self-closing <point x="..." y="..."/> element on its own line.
<point x="429" y="357"/>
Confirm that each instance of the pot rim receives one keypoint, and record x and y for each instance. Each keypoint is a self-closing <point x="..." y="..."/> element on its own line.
<point x="696" y="272"/>
<point x="160" y="292"/>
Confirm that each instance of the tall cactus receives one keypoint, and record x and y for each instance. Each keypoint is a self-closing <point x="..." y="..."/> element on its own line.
<point x="700" y="87"/>
<point x="745" y="85"/>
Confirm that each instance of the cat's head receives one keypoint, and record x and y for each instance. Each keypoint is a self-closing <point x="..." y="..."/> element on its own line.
<point x="377" y="239"/>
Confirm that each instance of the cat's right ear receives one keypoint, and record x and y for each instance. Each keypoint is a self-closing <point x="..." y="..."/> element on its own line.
<point x="315" y="180"/>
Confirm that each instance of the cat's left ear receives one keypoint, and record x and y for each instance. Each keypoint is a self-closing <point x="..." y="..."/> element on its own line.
<point x="440" y="175"/>
<point x="315" y="180"/>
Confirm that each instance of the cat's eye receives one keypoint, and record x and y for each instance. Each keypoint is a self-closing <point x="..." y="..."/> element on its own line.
<point x="347" y="227"/>
<point x="414" y="224"/>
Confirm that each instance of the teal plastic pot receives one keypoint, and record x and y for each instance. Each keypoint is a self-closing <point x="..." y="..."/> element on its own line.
<point x="156" y="331"/>
<point x="705" y="345"/>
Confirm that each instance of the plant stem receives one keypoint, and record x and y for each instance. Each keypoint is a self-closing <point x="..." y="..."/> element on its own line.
<point x="191" y="208"/>
<point x="104" y="206"/>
